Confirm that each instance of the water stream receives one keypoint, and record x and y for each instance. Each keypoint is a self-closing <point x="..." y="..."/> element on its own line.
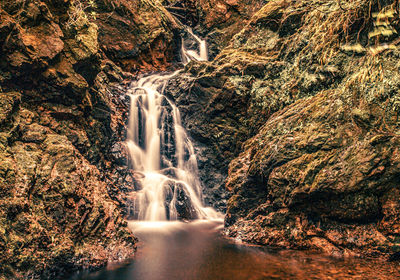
<point x="188" y="54"/>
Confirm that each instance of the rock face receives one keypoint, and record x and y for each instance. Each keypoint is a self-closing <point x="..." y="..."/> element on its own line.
<point x="322" y="172"/>
<point x="138" y="35"/>
<point x="63" y="169"/>
<point x="225" y="102"/>
<point x="317" y="94"/>
<point x="220" y="20"/>
<point x="214" y="126"/>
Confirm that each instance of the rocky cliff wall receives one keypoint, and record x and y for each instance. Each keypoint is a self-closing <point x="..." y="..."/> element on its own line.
<point x="324" y="171"/>
<point x="63" y="171"/>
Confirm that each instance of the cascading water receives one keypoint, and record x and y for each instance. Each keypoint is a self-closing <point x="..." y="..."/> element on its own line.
<point x="188" y="54"/>
<point x="162" y="153"/>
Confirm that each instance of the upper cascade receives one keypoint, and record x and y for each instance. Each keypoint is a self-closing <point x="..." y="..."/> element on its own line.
<point x="189" y="54"/>
<point x="162" y="153"/>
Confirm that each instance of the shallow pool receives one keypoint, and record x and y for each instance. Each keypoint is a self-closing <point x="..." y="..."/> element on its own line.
<point x="195" y="251"/>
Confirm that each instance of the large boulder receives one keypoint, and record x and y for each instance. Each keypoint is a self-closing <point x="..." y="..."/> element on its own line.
<point x="220" y="20"/>
<point x="138" y="35"/>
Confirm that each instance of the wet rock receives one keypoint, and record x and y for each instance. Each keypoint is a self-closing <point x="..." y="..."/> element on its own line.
<point x="209" y="120"/>
<point x="176" y="193"/>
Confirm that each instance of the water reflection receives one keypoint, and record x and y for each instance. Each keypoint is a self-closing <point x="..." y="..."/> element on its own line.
<point x="194" y="251"/>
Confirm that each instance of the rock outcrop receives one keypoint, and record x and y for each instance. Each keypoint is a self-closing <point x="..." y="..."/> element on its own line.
<point x="220" y="20"/>
<point x="315" y="87"/>
<point x="137" y="35"/>
<point x="322" y="172"/>
<point x="63" y="170"/>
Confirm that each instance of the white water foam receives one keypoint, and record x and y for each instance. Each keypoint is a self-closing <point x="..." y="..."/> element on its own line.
<point x="162" y="153"/>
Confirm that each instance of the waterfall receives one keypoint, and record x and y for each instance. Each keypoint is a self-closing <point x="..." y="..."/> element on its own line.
<point x="188" y="54"/>
<point x="162" y="153"/>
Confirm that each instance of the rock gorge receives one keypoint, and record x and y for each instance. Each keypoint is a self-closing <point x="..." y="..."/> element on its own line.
<point x="294" y="121"/>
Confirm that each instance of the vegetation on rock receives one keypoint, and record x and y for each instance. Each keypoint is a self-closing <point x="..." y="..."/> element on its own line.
<point x="320" y="171"/>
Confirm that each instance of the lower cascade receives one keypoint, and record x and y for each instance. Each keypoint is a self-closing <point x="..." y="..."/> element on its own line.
<point x="162" y="154"/>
